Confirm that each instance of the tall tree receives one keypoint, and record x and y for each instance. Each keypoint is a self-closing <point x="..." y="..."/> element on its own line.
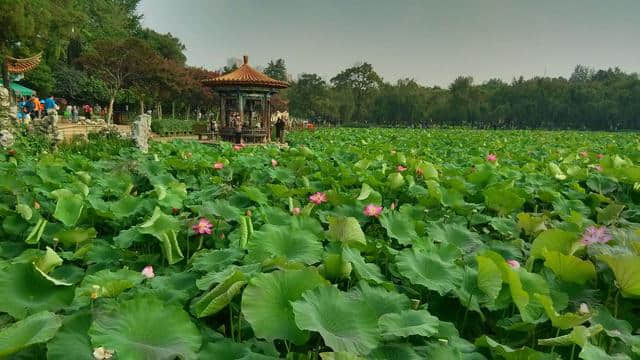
<point x="276" y="70"/>
<point x="122" y="64"/>
<point x="362" y="81"/>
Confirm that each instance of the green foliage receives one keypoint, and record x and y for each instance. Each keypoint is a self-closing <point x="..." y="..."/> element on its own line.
<point x="450" y="269"/>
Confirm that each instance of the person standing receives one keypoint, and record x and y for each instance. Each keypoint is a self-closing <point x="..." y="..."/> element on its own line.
<point x="74" y="113"/>
<point x="279" y="129"/>
<point x="238" y="129"/>
<point x="50" y="105"/>
<point x="67" y="113"/>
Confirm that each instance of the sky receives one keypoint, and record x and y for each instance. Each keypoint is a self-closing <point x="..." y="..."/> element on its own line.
<point x="431" y="41"/>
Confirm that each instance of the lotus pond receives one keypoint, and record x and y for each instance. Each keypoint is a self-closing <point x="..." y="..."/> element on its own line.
<point x="349" y="244"/>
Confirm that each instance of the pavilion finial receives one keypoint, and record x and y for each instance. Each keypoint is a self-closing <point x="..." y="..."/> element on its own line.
<point x="246" y="59"/>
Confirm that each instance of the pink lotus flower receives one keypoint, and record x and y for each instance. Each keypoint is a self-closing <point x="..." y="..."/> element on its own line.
<point x="148" y="272"/>
<point x="394" y="205"/>
<point x="203" y="227"/>
<point x="401" y="168"/>
<point x="274" y="162"/>
<point x="318" y="198"/>
<point x="372" y="210"/>
<point x="600" y="156"/>
<point x="295" y="211"/>
<point x="218" y="166"/>
<point x="598" y="167"/>
<point x="595" y="234"/>
<point x="492" y="157"/>
<point x="584" y="154"/>
<point x="237" y="147"/>
<point x="514" y="264"/>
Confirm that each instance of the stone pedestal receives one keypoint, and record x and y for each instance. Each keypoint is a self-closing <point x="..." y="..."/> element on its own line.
<point x="5" y="108"/>
<point x="140" y="132"/>
<point x="48" y="126"/>
<point x="6" y="139"/>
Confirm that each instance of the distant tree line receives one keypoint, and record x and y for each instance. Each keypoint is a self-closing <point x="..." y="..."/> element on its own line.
<point x="594" y="100"/>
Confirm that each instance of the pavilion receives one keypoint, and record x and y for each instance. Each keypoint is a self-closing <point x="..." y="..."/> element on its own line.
<point x="245" y="93"/>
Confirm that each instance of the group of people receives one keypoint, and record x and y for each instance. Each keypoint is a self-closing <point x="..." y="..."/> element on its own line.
<point x="34" y="108"/>
<point x="237" y="123"/>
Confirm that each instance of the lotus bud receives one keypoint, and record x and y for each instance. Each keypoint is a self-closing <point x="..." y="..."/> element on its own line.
<point x="584" y="308"/>
<point x="36" y="205"/>
<point x="248" y="213"/>
<point x="148" y="272"/>
<point x="95" y="292"/>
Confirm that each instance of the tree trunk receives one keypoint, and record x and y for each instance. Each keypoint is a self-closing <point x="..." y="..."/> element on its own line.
<point x="110" y="111"/>
<point x="173" y="109"/>
<point x="188" y="111"/>
<point x="141" y="106"/>
<point x="160" y="110"/>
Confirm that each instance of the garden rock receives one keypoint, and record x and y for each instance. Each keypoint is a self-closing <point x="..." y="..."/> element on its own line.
<point x="140" y="132"/>
<point x="6" y="138"/>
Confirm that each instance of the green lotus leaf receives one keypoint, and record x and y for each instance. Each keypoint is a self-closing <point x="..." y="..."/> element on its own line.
<point x="363" y="269"/>
<point x="399" y="226"/>
<point x="378" y="300"/>
<point x="339" y="356"/>
<point x="146" y="328"/>
<point x="503" y="200"/>
<point x="220" y="296"/>
<point x="335" y="267"/>
<point x="429" y="270"/>
<point x="68" y="207"/>
<point x="626" y="269"/>
<point x="106" y="284"/>
<point x="164" y="228"/>
<point x="578" y="336"/>
<point x="592" y="352"/>
<point x="36" y="232"/>
<point x="616" y="328"/>
<point x="76" y="236"/>
<point x="395" y="180"/>
<point x="556" y="171"/>
<point x="229" y="350"/>
<point x="255" y="194"/>
<point x="172" y="194"/>
<point x="344" y="324"/>
<point x="610" y="213"/>
<point x="35" y="329"/>
<point x="508" y="353"/>
<point x="369" y="196"/>
<point x="72" y="341"/>
<point x="49" y="261"/>
<point x="266" y="303"/>
<point x="394" y="352"/>
<point x="25" y="291"/>
<point x="24" y="211"/>
<point x="128" y="237"/>
<point x="127" y="206"/>
<point x="569" y="268"/>
<point x="279" y="241"/>
<point x="531" y="224"/>
<point x="14" y="225"/>
<point x="601" y="184"/>
<point x="454" y="234"/>
<point x="489" y="278"/>
<point x="564" y="321"/>
<point x="552" y="240"/>
<point x="215" y="260"/>
<point x="408" y="323"/>
<point x="346" y="230"/>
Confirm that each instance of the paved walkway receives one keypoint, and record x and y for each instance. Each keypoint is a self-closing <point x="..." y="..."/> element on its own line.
<point x="70" y="130"/>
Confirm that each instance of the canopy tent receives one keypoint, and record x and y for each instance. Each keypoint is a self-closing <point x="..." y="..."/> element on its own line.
<point x="21" y="90"/>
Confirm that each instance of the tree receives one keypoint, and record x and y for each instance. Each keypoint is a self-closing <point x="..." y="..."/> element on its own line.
<point x="308" y="96"/>
<point x="168" y="46"/>
<point x="276" y="70"/>
<point x="26" y="29"/>
<point x="121" y="64"/>
<point x="362" y="81"/>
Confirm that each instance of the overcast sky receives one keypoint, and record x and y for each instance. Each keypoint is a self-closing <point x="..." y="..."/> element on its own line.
<point x="432" y="41"/>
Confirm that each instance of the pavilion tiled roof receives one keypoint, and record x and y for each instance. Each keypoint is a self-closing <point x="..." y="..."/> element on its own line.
<point x="17" y="66"/>
<point x="245" y="75"/>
